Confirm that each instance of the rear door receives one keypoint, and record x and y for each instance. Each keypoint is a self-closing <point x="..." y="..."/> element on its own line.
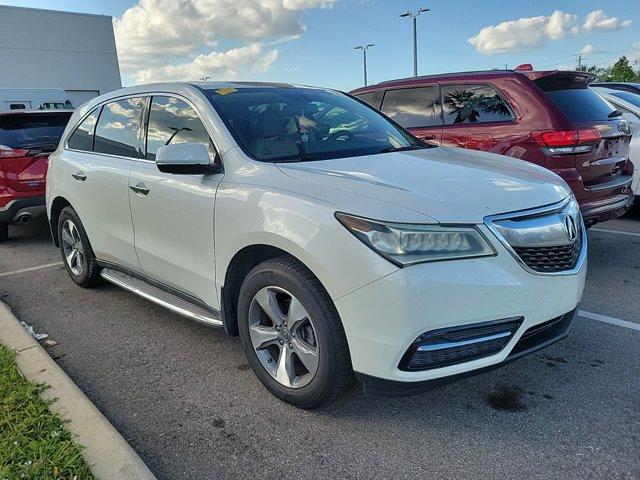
<point x="417" y="109"/>
<point x="99" y="155"/>
<point x="26" y="139"/>
<point x="603" y="164"/>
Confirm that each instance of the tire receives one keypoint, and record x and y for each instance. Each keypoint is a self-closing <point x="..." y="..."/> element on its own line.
<point x="4" y="231"/>
<point x="321" y="332"/>
<point x="83" y="269"/>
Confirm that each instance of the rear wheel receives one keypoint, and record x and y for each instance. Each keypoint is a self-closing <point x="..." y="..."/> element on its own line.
<point x="76" y="250"/>
<point x="292" y="335"/>
<point x="4" y="231"/>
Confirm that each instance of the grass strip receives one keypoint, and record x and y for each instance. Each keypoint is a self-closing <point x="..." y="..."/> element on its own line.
<point x="34" y="443"/>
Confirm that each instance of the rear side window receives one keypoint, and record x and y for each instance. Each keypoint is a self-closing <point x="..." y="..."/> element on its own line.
<point x="474" y="104"/>
<point x="118" y="128"/>
<point x="413" y="107"/>
<point x="171" y="121"/>
<point x="368" y="98"/>
<point x="22" y="130"/>
<point x="581" y="104"/>
<point x="82" y="138"/>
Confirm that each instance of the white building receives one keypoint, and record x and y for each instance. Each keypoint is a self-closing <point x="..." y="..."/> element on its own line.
<point x="49" y="49"/>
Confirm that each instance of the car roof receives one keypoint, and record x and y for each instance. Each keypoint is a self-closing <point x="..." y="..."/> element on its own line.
<point x="471" y="75"/>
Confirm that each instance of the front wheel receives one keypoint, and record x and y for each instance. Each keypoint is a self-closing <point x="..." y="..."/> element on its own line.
<point x="4" y="231"/>
<point x="292" y="335"/>
<point x="76" y="250"/>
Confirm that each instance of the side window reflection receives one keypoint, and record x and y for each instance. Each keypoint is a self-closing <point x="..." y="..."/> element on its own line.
<point x="172" y="121"/>
<point x="473" y="104"/>
<point x="118" y="128"/>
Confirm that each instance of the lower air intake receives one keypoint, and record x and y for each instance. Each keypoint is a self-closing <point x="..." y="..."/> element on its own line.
<point x="449" y="346"/>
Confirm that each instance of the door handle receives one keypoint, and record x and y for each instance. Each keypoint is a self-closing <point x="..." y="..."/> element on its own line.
<point x="140" y="188"/>
<point x="80" y="176"/>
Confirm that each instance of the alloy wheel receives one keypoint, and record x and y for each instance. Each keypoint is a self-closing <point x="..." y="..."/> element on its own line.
<point x="283" y="337"/>
<point x="72" y="247"/>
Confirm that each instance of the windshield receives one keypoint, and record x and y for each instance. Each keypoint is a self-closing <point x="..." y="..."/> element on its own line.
<point x="296" y="124"/>
<point x="632" y="98"/>
<point x="23" y="130"/>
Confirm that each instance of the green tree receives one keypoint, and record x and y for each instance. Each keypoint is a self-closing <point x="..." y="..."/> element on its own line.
<point x="621" y="71"/>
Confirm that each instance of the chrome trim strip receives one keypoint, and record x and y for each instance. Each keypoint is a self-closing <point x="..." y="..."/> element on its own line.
<point x="442" y="346"/>
<point x="555" y="207"/>
<point x="119" y="280"/>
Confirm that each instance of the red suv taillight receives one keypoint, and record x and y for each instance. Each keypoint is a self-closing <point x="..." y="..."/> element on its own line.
<point x="561" y="142"/>
<point x="8" y="152"/>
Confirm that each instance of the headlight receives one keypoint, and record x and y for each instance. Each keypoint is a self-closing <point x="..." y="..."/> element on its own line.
<point x="406" y="244"/>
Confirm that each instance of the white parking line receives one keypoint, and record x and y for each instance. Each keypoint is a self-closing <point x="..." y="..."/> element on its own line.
<point x="31" y="269"/>
<point x="611" y="320"/>
<point x="618" y="232"/>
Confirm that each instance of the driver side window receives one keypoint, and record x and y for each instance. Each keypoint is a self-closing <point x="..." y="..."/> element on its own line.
<point x="172" y="121"/>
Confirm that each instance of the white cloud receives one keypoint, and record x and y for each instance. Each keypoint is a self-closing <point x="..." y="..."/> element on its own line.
<point x="588" y="48"/>
<point x="597" y="21"/>
<point x="526" y="32"/>
<point x="167" y="34"/>
<point x="229" y="64"/>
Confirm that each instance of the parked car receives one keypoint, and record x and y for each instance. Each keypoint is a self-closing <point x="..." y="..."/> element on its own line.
<point x="26" y="140"/>
<point x="550" y="118"/>
<point x="620" y="86"/>
<point x="629" y="104"/>
<point x="325" y="235"/>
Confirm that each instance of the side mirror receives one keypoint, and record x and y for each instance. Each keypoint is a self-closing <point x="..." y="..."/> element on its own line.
<point x="186" y="159"/>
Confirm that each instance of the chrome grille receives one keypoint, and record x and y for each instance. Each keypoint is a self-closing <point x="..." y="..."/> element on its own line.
<point x="548" y="240"/>
<point x="557" y="258"/>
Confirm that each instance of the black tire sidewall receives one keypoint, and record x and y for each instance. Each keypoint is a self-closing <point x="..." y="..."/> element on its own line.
<point x="88" y="276"/>
<point x="4" y="231"/>
<point x="317" y="391"/>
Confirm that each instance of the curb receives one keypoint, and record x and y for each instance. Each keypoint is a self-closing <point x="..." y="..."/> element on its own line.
<point x="106" y="453"/>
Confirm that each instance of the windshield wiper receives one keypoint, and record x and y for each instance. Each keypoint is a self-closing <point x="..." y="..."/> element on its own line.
<point x="615" y="113"/>
<point x="402" y="149"/>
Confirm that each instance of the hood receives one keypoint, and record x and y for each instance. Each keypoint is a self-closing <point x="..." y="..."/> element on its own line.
<point x="451" y="185"/>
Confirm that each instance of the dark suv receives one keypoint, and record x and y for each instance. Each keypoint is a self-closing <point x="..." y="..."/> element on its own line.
<point x="550" y="118"/>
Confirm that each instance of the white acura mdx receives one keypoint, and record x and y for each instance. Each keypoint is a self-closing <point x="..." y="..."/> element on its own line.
<point x="325" y="235"/>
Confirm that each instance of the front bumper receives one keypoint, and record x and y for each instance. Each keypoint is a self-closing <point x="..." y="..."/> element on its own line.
<point x="14" y="209"/>
<point x="383" y="319"/>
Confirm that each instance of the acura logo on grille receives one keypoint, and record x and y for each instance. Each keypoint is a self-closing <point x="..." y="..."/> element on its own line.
<point x="570" y="227"/>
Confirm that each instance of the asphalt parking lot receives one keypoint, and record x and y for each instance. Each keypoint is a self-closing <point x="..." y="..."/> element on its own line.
<point x="185" y="399"/>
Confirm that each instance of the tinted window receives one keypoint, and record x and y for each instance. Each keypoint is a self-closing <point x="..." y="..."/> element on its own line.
<point x="20" y="130"/>
<point x="294" y="124"/>
<point x="628" y="96"/>
<point x="82" y="138"/>
<point x="413" y="107"/>
<point x="172" y="120"/>
<point x="473" y="104"/>
<point x="581" y="104"/>
<point x="118" y="127"/>
<point x="368" y="98"/>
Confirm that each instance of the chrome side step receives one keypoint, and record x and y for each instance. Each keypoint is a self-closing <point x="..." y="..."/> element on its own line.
<point x="161" y="297"/>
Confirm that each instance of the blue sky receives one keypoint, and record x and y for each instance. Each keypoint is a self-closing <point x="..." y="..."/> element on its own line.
<point x="311" y="41"/>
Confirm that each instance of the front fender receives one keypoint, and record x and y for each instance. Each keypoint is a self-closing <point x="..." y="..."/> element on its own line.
<point x="303" y="226"/>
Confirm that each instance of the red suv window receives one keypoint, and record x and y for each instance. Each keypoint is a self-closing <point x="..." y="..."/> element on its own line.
<point x="474" y="104"/>
<point x="413" y="107"/>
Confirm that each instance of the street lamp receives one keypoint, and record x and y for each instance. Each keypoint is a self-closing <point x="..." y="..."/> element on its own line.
<point x="414" y="16"/>
<point x="364" y="56"/>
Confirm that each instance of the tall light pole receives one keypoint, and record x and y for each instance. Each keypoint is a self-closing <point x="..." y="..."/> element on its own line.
<point x="364" y="49"/>
<point x="414" y="16"/>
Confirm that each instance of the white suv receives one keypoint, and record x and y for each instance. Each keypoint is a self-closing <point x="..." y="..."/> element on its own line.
<point x="330" y="239"/>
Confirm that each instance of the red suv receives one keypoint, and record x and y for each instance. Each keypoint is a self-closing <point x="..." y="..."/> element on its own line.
<point x="551" y="118"/>
<point x="26" y="139"/>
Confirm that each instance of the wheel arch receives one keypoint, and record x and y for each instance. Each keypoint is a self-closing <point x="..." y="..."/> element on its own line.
<point x="237" y="269"/>
<point x="57" y="205"/>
